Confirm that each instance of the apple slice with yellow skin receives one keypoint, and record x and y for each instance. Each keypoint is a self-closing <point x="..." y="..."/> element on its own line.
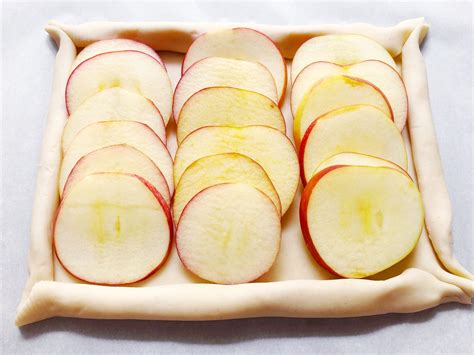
<point x="217" y="71"/>
<point x="240" y="43"/>
<point x="380" y="74"/>
<point x="355" y="159"/>
<point x="120" y="158"/>
<point x="226" y="106"/>
<point x="267" y="146"/>
<point x="358" y="129"/>
<point x="359" y="220"/>
<point x="102" y="134"/>
<point x="131" y="70"/>
<point x="219" y="169"/>
<point x="112" y="105"/>
<point x="335" y="92"/>
<point x="340" y="49"/>
<point x="112" y="229"/>
<point x="229" y="234"/>
<point x="114" y="45"/>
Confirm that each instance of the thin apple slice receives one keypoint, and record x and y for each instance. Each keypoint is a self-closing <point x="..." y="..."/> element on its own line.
<point x="358" y="129"/>
<point x="359" y="220"/>
<point x="355" y="159"/>
<point x="226" y="106"/>
<point x="102" y="134"/>
<point x="267" y="146"/>
<point x="217" y="71"/>
<point x="335" y="92"/>
<point x="120" y="158"/>
<point x="131" y="70"/>
<point x="112" y="105"/>
<point x="112" y="229"/>
<point x="229" y="234"/>
<point x="380" y="74"/>
<point x="240" y="43"/>
<point x="219" y="169"/>
<point x="114" y="45"/>
<point x="339" y="49"/>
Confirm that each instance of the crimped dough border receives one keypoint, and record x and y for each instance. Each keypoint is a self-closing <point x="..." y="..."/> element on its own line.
<point x="427" y="278"/>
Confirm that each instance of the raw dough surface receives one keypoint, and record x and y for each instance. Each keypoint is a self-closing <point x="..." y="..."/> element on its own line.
<point x="295" y="286"/>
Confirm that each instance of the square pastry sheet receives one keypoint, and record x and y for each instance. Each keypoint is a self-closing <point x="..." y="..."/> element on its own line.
<point x="296" y="286"/>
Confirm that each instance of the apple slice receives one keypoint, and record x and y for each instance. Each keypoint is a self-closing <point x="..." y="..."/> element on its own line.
<point x="267" y="146"/>
<point x="359" y="220"/>
<point x="112" y="229"/>
<point x="219" y="169"/>
<point x="102" y="134"/>
<point x="335" y="92"/>
<point x="358" y="129"/>
<point x="378" y="73"/>
<point x="131" y="70"/>
<point x="226" y="106"/>
<point x="120" y="158"/>
<point x="339" y="49"/>
<point x="243" y="44"/>
<point x="112" y="105"/>
<point x="114" y="45"/>
<point x="355" y="159"/>
<point x="229" y="234"/>
<point x="216" y="71"/>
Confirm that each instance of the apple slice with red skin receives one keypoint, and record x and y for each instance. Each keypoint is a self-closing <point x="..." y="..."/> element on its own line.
<point x="102" y="134"/>
<point x="131" y="70"/>
<point x="112" y="229"/>
<point x="114" y="104"/>
<point x="219" y="169"/>
<point x="227" y="106"/>
<point x="267" y="146"/>
<point x="340" y="49"/>
<point x="120" y="158"/>
<point x="380" y="74"/>
<point x="357" y="159"/>
<point x="114" y="45"/>
<point x="359" y="220"/>
<point x="217" y="71"/>
<point x="229" y="234"/>
<point x="240" y="43"/>
<point x="358" y="129"/>
<point x="336" y="92"/>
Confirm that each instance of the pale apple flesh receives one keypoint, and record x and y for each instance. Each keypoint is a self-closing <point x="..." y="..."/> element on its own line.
<point x="112" y="229"/>
<point x="216" y="71"/>
<point x="112" y="105"/>
<point x="267" y="146"/>
<point x="378" y="73"/>
<point x="336" y="92"/>
<point x="102" y="134"/>
<point x="114" y="45"/>
<point x="121" y="158"/>
<point x="358" y="129"/>
<point x="240" y="43"/>
<point x="339" y="49"/>
<point x="227" y="106"/>
<point x="130" y="70"/>
<point x="219" y="169"/>
<point x="355" y="159"/>
<point x="229" y="234"/>
<point x="358" y="220"/>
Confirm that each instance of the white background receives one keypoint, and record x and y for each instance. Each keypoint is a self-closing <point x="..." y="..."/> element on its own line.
<point x="27" y="63"/>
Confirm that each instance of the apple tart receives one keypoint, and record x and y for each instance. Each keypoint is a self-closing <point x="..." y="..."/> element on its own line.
<point x="208" y="171"/>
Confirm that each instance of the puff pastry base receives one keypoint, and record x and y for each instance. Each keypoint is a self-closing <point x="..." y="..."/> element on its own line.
<point x="296" y="286"/>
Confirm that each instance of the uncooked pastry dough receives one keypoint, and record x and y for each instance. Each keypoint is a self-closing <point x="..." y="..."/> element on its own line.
<point x="295" y="286"/>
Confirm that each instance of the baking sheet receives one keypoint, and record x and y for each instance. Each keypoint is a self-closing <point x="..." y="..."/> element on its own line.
<point x="23" y="259"/>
